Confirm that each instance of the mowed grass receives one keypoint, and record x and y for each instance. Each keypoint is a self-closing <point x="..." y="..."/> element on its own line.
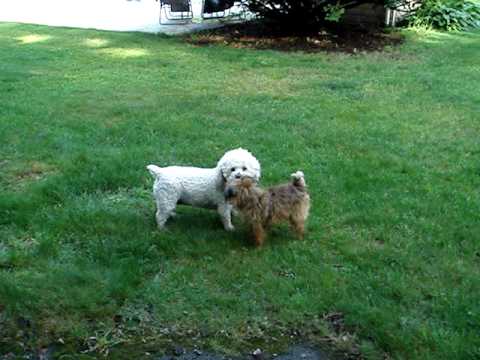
<point x="389" y="143"/>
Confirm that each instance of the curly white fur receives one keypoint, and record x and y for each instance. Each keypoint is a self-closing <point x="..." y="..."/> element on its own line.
<point x="201" y="187"/>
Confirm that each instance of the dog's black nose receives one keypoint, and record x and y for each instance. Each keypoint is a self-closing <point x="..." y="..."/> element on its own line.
<point x="238" y="176"/>
<point x="229" y="192"/>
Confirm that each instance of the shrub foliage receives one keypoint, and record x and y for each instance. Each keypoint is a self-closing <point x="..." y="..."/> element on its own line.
<point x="303" y="15"/>
<point x="447" y="14"/>
<point x="310" y="15"/>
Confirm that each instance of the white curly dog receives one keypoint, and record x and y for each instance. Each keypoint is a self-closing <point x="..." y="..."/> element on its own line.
<point x="201" y="187"/>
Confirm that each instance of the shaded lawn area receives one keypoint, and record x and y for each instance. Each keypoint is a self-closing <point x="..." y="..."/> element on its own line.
<point x="389" y="143"/>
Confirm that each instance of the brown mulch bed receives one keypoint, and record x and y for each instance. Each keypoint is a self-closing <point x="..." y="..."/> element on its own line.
<point x="254" y="35"/>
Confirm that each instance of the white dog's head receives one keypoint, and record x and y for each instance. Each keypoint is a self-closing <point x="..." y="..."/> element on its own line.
<point x="238" y="163"/>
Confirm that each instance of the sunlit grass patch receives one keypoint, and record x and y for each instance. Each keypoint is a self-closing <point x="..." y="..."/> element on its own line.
<point x="96" y="42"/>
<point x="125" y="53"/>
<point x="33" y="38"/>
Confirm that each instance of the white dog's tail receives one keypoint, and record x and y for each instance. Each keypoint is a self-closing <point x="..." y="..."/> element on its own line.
<point x="298" y="180"/>
<point x="154" y="170"/>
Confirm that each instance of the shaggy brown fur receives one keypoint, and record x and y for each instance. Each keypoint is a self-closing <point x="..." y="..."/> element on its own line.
<point x="264" y="207"/>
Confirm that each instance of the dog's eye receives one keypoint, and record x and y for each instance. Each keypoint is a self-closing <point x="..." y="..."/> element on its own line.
<point x="244" y="168"/>
<point x="232" y="169"/>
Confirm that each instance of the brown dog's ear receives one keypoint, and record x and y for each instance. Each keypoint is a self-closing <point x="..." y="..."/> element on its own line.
<point x="247" y="182"/>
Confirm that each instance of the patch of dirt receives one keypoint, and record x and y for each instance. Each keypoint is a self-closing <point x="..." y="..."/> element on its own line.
<point x="132" y="338"/>
<point x="34" y="171"/>
<point x="341" y="336"/>
<point x="336" y="322"/>
<point x="255" y="35"/>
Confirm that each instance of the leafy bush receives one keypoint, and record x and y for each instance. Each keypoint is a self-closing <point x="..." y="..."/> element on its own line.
<point x="447" y="14"/>
<point x="303" y="15"/>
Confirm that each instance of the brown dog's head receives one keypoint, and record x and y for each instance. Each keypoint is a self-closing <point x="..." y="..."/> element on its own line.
<point x="235" y="189"/>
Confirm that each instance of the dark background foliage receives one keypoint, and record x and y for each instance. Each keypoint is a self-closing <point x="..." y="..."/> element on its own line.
<point x="303" y="16"/>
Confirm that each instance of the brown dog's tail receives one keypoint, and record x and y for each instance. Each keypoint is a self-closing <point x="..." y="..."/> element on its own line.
<point x="298" y="180"/>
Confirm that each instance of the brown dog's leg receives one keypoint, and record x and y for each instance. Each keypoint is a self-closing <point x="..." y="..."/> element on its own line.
<point x="298" y="226"/>
<point x="258" y="234"/>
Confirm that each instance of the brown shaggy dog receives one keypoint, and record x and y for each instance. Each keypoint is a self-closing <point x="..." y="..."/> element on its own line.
<point x="264" y="207"/>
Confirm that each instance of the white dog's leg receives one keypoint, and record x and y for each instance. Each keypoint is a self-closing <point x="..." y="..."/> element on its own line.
<point x="161" y="219"/>
<point x="165" y="209"/>
<point x="225" y="211"/>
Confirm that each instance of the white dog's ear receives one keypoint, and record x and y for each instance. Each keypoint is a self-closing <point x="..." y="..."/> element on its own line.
<point x="225" y="172"/>
<point x="258" y="172"/>
<point x="224" y="164"/>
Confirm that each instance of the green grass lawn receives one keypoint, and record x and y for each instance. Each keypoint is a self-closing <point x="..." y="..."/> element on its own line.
<point x="389" y="143"/>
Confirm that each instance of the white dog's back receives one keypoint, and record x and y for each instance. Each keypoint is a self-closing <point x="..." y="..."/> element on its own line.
<point x="187" y="185"/>
<point x="182" y="172"/>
